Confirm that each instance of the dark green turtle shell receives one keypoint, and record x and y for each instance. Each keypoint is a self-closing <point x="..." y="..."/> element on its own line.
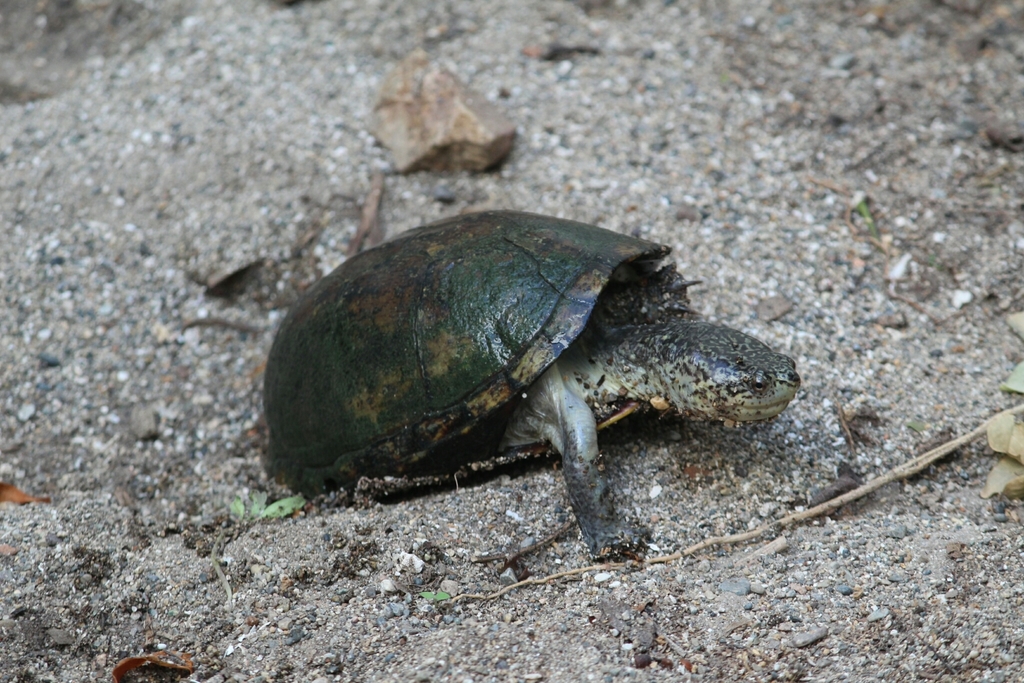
<point x="408" y="359"/>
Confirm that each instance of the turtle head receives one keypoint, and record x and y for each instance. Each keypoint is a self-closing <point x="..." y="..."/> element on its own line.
<point x="718" y="373"/>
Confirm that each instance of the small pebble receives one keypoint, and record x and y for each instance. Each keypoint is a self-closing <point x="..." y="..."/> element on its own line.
<point x="878" y="614"/>
<point x="60" y="636"/>
<point x="1000" y="517"/>
<point x="49" y="360"/>
<point x="757" y="588"/>
<point x="897" y="578"/>
<point x="843" y="61"/>
<point x="688" y="213"/>
<point x="844" y="589"/>
<point x="443" y="194"/>
<point x="738" y="585"/>
<point x="809" y="637"/>
<point x="898" y="531"/>
<point x="26" y="412"/>
<point x="144" y="423"/>
<point x="748" y="605"/>
<point x="297" y="634"/>
<point x="508" y="577"/>
<point x="601" y="577"/>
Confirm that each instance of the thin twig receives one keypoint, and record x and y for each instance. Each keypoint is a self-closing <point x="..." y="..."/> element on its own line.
<point x="824" y="182"/>
<point x="907" y="469"/>
<point x="547" y="540"/>
<point x="916" y="306"/>
<point x="215" y="560"/>
<point x="219" y="322"/>
<point x="371" y="210"/>
<point x="775" y="546"/>
<point x="672" y="643"/>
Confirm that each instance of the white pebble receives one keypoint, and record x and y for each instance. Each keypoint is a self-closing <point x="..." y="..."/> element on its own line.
<point x="961" y="298"/>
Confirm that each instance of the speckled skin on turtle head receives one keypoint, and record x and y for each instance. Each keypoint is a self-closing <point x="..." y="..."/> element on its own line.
<point x="408" y="359"/>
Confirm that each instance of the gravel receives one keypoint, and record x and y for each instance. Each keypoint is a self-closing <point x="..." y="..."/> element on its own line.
<point x="147" y="146"/>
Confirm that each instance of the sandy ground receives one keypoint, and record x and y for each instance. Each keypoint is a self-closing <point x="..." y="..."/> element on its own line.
<point x="145" y="146"/>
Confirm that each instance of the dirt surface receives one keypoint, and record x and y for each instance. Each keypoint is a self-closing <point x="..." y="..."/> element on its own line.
<point x="147" y="147"/>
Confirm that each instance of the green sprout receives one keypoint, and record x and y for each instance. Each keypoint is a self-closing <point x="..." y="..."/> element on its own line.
<point x="258" y="508"/>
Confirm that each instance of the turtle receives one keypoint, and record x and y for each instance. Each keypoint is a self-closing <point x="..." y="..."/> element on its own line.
<point x="485" y="333"/>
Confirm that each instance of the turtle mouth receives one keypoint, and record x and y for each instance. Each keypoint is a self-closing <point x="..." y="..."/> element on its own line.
<point x="761" y="408"/>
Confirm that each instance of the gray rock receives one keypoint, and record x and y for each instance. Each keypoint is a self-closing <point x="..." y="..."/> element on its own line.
<point x="843" y="61"/>
<point x="26" y="412"/>
<point x="60" y="636"/>
<point x="809" y="637"/>
<point x="899" y="531"/>
<point x="688" y="212"/>
<point x="144" y="422"/>
<point x="879" y="614"/>
<point x="443" y="194"/>
<point x="773" y="308"/>
<point x="451" y="587"/>
<point x="432" y="122"/>
<point x="49" y="360"/>
<point x="508" y="577"/>
<point x="738" y="585"/>
<point x="844" y="589"/>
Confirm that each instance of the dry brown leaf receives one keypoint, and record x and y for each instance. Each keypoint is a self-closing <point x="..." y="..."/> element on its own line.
<point x="1005" y="435"/>
<point x="9" y="493"/>
<point x="180" y="661"/>
<point x="999" y="431"/>
<point x="1005" y="471"/>
<point x="1016" y="322"/>
<point x="1015" y="382"/>
<point x="1014" y="488"/>
<point x="1016" y="447"/>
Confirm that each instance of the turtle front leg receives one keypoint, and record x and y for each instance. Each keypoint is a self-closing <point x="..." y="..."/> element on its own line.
<point x="553" y="412"/>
